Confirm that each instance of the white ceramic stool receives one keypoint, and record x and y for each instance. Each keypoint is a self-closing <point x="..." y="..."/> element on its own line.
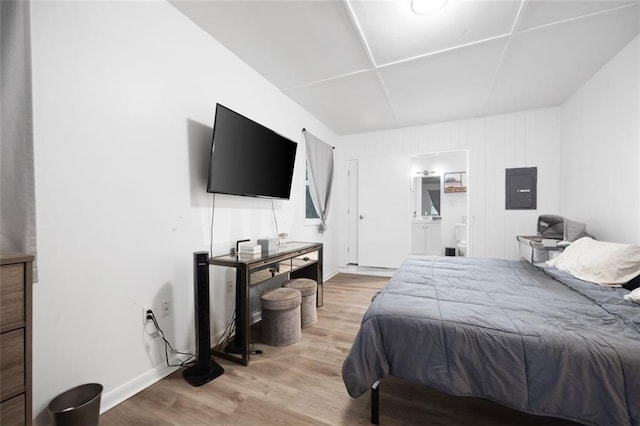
<point x="281" y="316"/>
<point x="308" y="288"/>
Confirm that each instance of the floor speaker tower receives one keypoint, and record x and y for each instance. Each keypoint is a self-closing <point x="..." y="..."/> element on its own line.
<point x="205" y="368"/>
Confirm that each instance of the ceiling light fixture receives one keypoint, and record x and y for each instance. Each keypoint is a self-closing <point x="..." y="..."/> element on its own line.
<point x="426" y="7"/>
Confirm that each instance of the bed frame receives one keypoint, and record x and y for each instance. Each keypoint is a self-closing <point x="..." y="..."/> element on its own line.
<point x="375" y="403"/>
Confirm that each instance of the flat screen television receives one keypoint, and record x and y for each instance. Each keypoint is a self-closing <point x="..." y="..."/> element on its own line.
<point x="249" y="159"/>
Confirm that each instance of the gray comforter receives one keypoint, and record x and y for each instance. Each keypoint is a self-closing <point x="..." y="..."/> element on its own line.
<point x="539" y="341"/>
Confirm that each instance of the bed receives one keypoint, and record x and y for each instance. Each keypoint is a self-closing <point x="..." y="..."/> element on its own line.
<point x="537" y="340"/>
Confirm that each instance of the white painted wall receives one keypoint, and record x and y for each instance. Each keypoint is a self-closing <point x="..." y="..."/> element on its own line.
<point x="123" y="110"/>
<point x="601" y="150"/>
<point x="523" y="139"/>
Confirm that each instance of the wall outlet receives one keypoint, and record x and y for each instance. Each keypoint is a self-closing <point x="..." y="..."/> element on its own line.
<point x="229" y="286"/>
<point x="166" y="309"/>
<point x="144" y="315"/>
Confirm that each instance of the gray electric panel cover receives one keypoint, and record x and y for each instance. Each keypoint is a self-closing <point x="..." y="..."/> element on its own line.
<point x="521" y="187"/>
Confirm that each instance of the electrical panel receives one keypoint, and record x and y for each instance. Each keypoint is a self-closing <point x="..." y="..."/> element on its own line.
<point x="521" y="188"/>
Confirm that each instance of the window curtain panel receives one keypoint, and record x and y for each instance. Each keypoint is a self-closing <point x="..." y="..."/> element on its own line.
<point x="320" y="174"/>
<point x="435" y="199"/>
<point x="17" y="187"/>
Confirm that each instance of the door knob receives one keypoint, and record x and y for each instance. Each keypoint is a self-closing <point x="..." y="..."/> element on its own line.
<point x="361" y="217"/>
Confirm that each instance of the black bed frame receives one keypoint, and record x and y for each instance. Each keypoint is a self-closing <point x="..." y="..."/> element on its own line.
<point x="375" y="403"/>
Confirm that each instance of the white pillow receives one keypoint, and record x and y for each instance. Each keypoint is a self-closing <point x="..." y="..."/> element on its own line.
<point x="609" y="264"/>
<point x="634" y="296"/>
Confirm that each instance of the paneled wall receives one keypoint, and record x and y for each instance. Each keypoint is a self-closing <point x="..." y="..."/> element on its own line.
<point x="601" y="150"/>
<point x="523" y="139"/>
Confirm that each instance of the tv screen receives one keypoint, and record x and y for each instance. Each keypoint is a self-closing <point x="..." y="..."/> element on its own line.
<point x="249" y="159"/>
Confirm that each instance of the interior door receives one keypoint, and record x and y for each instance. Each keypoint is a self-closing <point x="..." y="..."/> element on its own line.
<point x="383" y="211"/>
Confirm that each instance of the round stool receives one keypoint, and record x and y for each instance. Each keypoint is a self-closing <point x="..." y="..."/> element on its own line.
<point x="308" y="288"/>
<point x="281" y="316"/>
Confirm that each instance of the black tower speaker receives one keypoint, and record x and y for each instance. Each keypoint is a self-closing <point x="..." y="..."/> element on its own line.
<point x="205" y="368"/>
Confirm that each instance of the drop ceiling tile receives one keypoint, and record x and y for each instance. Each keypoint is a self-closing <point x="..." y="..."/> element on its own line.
<point x="295" y="43"/>
<point x="394" y="32"/>
<point x="543" y="67"/>
<point x="446" y="86"/>
<point x="350" y="104"/>
<point x="289" y="42"/>
<point x="541" y="12"/>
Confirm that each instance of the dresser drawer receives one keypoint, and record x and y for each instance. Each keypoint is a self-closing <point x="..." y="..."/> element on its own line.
<point x="12" y="311"/>
<point x="13" y="412"/>
<point x="12" y="371"/>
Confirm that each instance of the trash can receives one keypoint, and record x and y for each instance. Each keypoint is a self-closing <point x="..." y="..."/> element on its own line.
<point x="450" y="251"/>
<point x="79" y="406"/>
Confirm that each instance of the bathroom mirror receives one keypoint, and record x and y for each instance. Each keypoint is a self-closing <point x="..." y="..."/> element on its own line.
<point x="426" y="186"/>
<point x="427" y="200"/>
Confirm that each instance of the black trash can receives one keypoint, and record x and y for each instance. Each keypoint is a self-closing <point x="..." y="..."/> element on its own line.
<point x="79" y="406"/>
<point x="449" y="251"/>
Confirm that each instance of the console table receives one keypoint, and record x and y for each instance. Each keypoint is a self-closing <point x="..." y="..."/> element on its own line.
<point x="296" y="259"/>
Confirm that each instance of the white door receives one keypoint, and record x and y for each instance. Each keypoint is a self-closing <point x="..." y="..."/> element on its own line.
<point x="383" y="211"/>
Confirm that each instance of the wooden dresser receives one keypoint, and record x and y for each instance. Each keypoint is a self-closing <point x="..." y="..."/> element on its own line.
<point x="15" y="338"/>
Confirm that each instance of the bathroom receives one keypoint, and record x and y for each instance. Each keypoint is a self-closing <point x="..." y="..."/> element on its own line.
<point x="439" y="203"/>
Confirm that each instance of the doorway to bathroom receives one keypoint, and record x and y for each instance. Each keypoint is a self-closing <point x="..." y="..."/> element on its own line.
<point x="439" y="203"/>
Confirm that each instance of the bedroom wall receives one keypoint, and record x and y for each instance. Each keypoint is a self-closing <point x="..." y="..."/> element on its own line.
<point x="601" y="150"/>
<point x="123" y="115"/>
<point x="522" y="139"/>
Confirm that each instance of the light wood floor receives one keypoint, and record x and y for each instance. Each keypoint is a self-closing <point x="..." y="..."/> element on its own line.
<point x="301" y="384"/>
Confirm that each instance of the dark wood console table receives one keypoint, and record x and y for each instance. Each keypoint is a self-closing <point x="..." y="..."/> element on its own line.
<point x="296" y="259"/>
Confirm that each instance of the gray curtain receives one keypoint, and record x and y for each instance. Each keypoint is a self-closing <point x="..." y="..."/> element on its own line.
<point x="320" y="174"/>
<point x="17" y="188"/>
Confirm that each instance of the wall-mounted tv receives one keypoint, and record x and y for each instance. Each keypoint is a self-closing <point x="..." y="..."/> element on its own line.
<point x="248" y="158"/>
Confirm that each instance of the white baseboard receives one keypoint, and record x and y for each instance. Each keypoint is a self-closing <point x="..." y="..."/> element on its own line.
<point x="364" y="270"/>
<point x="329" y="276"/>
<point x="132" y="387"/>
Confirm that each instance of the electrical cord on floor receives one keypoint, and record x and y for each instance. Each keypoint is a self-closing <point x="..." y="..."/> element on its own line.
<point x="228" y="330"/>
<point x="254" y="351"/>
<point x="167" y="345"/>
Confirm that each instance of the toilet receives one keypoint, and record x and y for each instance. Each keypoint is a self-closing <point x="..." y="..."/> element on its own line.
<point x="461" y="238"/>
